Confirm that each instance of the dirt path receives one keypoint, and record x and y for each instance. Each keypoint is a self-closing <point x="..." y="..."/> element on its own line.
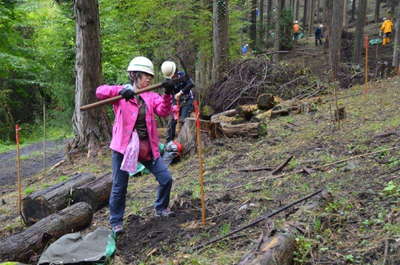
<point x="31" y="160"/>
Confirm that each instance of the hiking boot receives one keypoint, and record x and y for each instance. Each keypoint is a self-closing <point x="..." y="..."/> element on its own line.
<point x="165" y="213"/>
<point x="118" y="229"/>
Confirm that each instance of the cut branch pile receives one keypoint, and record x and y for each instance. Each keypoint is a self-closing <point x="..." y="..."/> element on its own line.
<point x="252" y="77"/>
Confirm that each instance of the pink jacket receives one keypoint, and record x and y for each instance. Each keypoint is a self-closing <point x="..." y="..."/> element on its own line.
<point x="126" y="113"/>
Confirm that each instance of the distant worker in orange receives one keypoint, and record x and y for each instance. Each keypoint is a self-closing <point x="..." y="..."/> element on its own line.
<point x="296" y="30"/>
<point x="386" y="29"/>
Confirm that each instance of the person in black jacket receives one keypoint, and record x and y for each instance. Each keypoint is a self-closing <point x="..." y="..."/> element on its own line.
<point x="318" y="35"/>
<point x="182" y="105"/>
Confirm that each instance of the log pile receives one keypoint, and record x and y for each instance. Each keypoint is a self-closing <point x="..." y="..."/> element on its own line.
<point x="78" y="188"/>
<point x="249" y="120"/>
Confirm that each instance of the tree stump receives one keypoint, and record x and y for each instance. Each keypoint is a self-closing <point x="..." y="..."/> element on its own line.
<point x="187" y="134"/>
<point x="96" y="193"/>
<point x="31" y="242"/>
<point x="43" y="203"/>
<point x="265" y="102"/>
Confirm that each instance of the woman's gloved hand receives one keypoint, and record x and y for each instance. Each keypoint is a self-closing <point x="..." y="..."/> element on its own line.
<point x="169" y="86"/>
<point x="127" y="92"/>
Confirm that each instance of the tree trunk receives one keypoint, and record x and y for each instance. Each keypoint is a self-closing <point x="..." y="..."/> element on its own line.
<point x="297" y="9"/>
<point x="305" y="13"/>
<point x="396" y="49"/>
<point x="28" y="244"/>
<point x="311" y="16"/>
<point x="318" y="11"/>
<point x="261" y="38"/>
<point x="269" y="17"/>
<point x="91" y="127"/>
<point x="377" y="10"/>
<point x="328" y="5"/>
<point x="187" y="134"/>
<point x="43" y="203"/>
<point x="359" y="34"/>
<point x="353" y="10"/>
<point x="345" y="20"/>
<point x="253" y="25"/>
<point x="220" y="39"/>
<point x="335" y="37"/>
<point x="277" y="40"/>
<point x="95" y="193"/>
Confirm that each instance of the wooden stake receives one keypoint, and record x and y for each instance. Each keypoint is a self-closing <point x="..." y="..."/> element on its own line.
<point x="18" y="168"/>
<point x="366" y="44"/>
<point x="201" y="162"/>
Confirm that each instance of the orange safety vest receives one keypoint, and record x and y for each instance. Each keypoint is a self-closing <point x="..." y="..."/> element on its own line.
<point x="296" y="28"/>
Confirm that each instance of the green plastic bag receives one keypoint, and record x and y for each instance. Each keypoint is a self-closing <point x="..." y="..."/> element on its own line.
<point x="375" y="41"/>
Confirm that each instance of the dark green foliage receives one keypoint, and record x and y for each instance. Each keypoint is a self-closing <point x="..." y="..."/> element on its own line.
<point x="286" y="22"/>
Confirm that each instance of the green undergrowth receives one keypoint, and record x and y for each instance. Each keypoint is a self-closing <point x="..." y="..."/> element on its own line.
<point x="358" y="226"/>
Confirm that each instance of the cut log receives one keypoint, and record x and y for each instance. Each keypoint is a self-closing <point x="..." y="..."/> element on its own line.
<point x="246" y="111"/>
<point x="31" y="242"/>
<point x="43" y="203"/>
<point x="265" y="102"/>
<point x="276" y="250"/>
<point x="96" y="193"/>
<point x="251" y="129"/>
<point x="221" y="117"/>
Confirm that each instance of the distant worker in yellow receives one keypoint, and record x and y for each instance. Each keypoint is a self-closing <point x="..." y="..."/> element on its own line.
<point x="386" y="29"/>
<point x="296" y="30"/>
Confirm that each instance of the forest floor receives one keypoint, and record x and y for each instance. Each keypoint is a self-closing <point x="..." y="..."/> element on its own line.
<point x="360" y="226"/>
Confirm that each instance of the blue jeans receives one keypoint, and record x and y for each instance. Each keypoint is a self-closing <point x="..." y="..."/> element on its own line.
<point x="120" y="184"/>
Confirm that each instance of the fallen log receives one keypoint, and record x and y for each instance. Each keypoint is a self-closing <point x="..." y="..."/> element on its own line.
<point x="43" y="203"/>
<point x="246" y="111"/>
<point x="96" y="193"/>
<point x="220" y="117"/>
<point x="251" y="129"/>
<point x="279" y="248"/>
<point x="30" y="243"/>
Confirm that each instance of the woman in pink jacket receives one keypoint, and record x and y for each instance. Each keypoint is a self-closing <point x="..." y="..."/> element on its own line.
<point x="135" y="132"/>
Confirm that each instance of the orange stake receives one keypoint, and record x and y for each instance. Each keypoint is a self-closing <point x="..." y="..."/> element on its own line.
<point x="201" y="162"/>
<point x="18" y="168"/>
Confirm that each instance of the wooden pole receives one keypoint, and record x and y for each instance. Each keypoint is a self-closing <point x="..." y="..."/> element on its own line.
<point x="44" y="134"/>
<point x="116" y="98"/>
<point x="18" y="168"/>
<point x="366" y="44"/>
<point x="201" y="162"/>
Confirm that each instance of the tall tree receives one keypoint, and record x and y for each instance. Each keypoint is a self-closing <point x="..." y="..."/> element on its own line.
<point x="335" y="40"/>
<point x="305" y="12"/>
<point x="277" y="35"/>
<point x="377" y="10"/>
<point x="396" y="49"/>
<point x="345" y="20"/>
<point x="220" y="39"/>
<point x="91" y="127"/>
<point x="359" y="34"/>
<point x="296" y="15"/>
<point x="261" y="37"/>
<point x="253" y="24"/>
<point x="353" y="10"/>
<point x="269" y="17"/>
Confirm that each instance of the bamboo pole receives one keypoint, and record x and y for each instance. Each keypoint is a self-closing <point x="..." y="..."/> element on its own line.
<point x="366" y="58"/>
<point x="18" y="169"/>
<point x="201" y="162"/>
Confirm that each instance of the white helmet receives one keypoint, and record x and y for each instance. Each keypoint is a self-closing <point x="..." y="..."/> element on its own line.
<point x="168" y="68"/>
<point x="141" y="64"/>
<point x="295" y="22"/>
